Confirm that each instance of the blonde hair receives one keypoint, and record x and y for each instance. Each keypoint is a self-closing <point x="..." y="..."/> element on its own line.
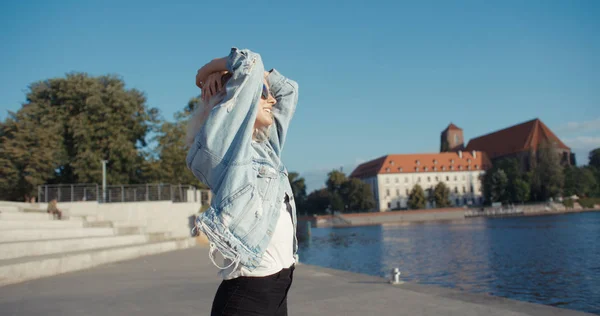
<point x="201" y="113"/>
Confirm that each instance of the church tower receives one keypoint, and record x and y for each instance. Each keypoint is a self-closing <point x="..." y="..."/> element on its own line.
<point x="452" y="139"/>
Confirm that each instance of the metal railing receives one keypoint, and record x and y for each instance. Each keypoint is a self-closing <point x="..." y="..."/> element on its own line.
<point x="121" y="193"/>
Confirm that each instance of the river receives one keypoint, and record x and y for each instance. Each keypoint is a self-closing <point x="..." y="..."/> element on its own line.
<point x="552" y="260"/>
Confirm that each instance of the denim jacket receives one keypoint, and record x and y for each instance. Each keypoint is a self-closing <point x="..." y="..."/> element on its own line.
<point x="248" y="180"/>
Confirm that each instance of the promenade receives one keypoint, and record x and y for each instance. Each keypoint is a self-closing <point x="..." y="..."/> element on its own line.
<point x="183" y="282"/>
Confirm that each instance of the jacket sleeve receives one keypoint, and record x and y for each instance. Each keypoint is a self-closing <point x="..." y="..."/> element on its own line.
<point x="285" y="91"/>
<point x="226" y="135"/>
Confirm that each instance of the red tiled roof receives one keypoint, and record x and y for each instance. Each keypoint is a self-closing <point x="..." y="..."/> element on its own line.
<point x="436" y="162"/>
<point x="517" y="138"/>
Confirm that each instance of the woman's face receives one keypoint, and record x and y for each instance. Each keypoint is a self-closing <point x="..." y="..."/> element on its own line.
<point x="264" y="118"/>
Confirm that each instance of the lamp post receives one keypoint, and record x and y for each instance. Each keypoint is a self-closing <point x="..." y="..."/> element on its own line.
<point x="104" y="180"/>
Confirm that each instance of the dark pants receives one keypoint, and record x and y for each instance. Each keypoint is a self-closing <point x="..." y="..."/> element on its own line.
<point x="254" y="296"/>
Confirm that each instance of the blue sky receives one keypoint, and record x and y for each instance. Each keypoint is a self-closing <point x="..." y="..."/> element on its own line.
<point x="376" y="77"/>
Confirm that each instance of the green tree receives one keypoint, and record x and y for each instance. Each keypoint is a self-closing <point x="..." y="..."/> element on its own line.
<point x="317" y="202"/>
<point x="68" y="125"/>
<point x="298" y="189"/>
<point x="520" y="191"/>
<point x="594" y="157"/>
<point x="335" y="180"/>
<point x="416" y="199"/>
<point x="441" y="195"/>
<point x="495" y="186"/>
<point x="336" y="202"/>
<point x="547" y="177"/>
<point x="357" y="195"/>
<point x="579" y="181"/>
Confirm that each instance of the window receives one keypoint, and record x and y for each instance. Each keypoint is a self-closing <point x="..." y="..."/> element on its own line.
<point x="447" y="178"/>
<point x="457" y="202"/>
<point x="428" y="179"/>
<point x="455" y="139"/>
<point x="469" y="167"/>
<point x="471" y="188"/>
<point x="455" y="190"/>
<point x="392" y="162"/>
<point x="451" y="167"/>
<point x="444" y="168"/>
<point x="417" y="169"/>
<point x="398" y="204"/>
<point x="469" y="160"/>
<point x="464" y="190"/>
<point x="418" y="162"/>
<point x="397" y="180"/>
<point x="455" y="178"/>
<point x="425" y="168"/>
<point x="434" y="162"/>
<point x="418" y="179"/>
<point x="465" y="201"/>
<point x="387" y="169"/>
<point x="397" y="192"/>
<point x="434" y="168"/>
<point x="451" y="160"/>
<point x="459" y="167"/>
<point x="387" y="192"/>
<point x="476" y="166"/>
<point x="389" y="205"/>
<point x="387" y="180"/>
<point x="407" y="193"/>
<point x="437" y="179"/>
<point x="400" y="169"/>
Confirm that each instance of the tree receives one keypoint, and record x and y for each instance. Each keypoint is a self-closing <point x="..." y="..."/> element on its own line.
<point x="317" y="202"/>
<point x="298" y="189"/>
<point x="579" y="181"/>
<point x="416" y="199"/>
<point x="441" y="195"/>
<point x="495" y="186"/>
<point x="336" y="202"/>
<point x="594" y="157"/>
<point x="335" y="179"/>
<point x="521" y="191"/>
<point x="357" y="195"/>
<point x="73" y="123"/>
<point x="547" y="178"/>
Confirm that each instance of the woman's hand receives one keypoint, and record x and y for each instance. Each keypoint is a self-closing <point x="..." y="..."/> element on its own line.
<point x="212" y="85"/>
<point x="216" y="65"/>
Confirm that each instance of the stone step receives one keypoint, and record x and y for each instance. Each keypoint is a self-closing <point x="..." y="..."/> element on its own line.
<point x="27" y="268"/>
<point x="99" y="224"/>
<point x="9" y="209"/>
<point x="21" y="216"/>
<point x="49" y="233"/>
<point x="20" y="224"/>
<point x="13" y="250"/>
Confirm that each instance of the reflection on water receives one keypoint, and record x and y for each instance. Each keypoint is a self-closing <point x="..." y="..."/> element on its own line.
<point x="553" y="260"/>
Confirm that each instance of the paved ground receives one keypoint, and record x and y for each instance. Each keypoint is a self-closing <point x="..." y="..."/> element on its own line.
<point x="184" y="282"/>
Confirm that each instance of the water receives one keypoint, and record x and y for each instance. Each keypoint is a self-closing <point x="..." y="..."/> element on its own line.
<point x="552" y="260"/>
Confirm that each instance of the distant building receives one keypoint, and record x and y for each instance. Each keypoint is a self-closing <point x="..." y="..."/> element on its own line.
<point x="520" y="141"/>
<point x="452" y="139"/>
<point x="392" y="177"/>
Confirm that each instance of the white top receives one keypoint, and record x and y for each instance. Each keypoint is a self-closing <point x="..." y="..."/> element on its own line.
<point x="279" y="253"/>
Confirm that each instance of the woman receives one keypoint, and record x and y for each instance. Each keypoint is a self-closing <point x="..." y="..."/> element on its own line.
<point x="237" y="135"/>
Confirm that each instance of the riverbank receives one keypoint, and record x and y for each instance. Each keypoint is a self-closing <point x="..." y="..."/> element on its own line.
<point x="446" y="214"/>
<point x="184" y="283"/>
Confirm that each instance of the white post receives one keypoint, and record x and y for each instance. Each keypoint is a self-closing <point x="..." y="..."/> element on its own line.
<point x="104" y="180"/>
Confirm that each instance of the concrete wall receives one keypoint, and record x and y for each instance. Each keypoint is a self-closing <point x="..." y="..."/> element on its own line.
<point x="155" y="216"/>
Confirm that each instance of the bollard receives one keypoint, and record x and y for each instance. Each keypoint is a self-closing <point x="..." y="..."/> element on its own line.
<point x="396" y="277"/>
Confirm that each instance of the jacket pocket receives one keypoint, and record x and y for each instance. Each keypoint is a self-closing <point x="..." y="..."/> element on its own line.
<point x="265" y="177"/>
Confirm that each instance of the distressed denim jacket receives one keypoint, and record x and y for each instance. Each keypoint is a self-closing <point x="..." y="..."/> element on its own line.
<point x="248" y="180"/>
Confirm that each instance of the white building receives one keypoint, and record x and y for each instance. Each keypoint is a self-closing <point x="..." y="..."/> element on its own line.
<point x="392" y="177"/>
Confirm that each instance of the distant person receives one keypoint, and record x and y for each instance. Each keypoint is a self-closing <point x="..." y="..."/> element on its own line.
<point x="53" y="209"/>
<point x="236" y="136"/>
